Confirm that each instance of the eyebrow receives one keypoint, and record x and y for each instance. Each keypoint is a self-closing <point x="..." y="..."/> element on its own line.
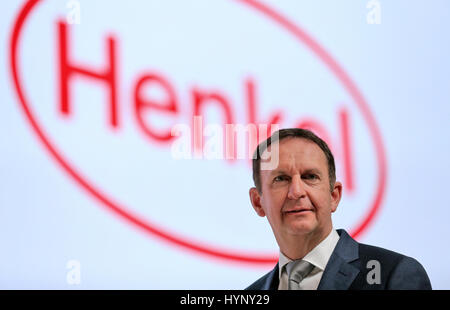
<point x="307" y="171"/>
<point x="277" y="171"/>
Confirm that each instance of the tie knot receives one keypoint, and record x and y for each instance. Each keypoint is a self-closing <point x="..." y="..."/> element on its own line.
<point x="297" y="270"/>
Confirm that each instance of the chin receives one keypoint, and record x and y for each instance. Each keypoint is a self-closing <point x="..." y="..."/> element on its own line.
<point x="302" y="228"/>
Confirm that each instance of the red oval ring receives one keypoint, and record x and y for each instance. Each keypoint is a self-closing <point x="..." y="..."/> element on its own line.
<point x="197" y="247"/>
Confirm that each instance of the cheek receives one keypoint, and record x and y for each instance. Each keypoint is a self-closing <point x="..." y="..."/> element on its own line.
<point x="321" y="200"/>
<point x="274" y="203"/>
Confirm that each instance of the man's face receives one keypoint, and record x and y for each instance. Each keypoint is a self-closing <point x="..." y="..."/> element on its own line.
<point x="296" y="195"/>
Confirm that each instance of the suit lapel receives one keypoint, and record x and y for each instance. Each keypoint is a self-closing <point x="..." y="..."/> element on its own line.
<point x="272" y="280"/>
<point x="339" y="273"/>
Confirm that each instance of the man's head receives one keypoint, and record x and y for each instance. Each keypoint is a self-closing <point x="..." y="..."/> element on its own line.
<point x="292" y="133"/>
<point x="300" y="193"/>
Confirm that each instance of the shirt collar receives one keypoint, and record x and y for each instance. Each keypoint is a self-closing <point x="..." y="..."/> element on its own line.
<point x="318" y="256"/>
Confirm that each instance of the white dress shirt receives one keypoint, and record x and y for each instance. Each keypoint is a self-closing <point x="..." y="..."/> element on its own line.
<point x="318" y="256"/>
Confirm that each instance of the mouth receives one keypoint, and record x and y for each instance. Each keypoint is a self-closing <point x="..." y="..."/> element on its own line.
<point x="298" y="211"/>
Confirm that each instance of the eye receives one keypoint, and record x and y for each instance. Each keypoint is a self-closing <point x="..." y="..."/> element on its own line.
<point x="310" y="176"/>
<point x="281" y="178"/>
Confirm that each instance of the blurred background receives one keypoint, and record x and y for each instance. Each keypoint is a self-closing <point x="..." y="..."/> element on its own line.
<point x="103" y="187"/>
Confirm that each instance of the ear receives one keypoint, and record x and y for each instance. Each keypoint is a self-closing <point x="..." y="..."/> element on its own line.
<point x="255" y="199"/>
<point x="336" y="195"/>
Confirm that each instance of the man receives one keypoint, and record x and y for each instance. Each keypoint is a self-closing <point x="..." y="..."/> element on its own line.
<point x="298" y="194"/>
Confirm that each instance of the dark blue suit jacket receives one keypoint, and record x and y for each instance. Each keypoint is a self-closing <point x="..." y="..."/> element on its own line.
<point x="348" y="269"/>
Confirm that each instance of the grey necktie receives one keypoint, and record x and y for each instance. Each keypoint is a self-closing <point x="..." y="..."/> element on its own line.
<point x="297" y="270"/>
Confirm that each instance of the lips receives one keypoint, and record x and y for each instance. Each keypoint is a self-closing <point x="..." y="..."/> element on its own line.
<point x="298" y="211"/>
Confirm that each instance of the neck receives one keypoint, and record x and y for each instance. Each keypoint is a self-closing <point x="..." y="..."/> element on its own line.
<point x="296" y="247"/>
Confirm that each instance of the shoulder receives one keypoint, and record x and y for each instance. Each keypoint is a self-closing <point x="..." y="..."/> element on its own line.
<point x="269" y="281"/>
<point x="370" y="252"/>
<point x="380" y="268"/>
<point x="258" y="284"/>
<point x="398" y="271"/>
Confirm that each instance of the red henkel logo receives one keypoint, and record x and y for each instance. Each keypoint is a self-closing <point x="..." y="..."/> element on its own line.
<point x="107" y="76"/>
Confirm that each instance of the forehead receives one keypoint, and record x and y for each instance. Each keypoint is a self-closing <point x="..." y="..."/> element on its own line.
<point x="297" y="153"/>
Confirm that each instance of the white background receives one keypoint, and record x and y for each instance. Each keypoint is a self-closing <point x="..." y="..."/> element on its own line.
<point x="401" y="67"/>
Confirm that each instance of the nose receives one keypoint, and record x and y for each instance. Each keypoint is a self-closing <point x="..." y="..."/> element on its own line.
<point x="296" y="188"/>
